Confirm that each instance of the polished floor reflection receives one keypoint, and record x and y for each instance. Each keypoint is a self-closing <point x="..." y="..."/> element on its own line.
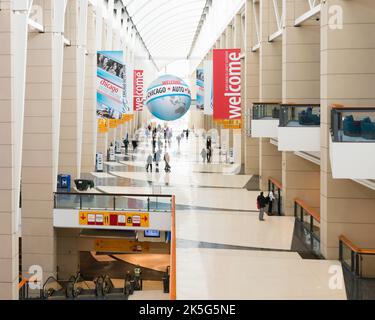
<point x="223" y="250"/>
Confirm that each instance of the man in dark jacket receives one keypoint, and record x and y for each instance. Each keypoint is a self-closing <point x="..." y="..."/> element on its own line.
<point x="261" y="204"/>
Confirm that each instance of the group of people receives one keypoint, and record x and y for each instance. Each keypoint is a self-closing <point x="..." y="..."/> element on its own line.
<point x="206" y="152"/>
<point x="156" y="154"/>
<point x="262" y="202"/>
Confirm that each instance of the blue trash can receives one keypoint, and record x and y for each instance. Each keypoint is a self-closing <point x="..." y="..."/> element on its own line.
<point x="64" y="182"/>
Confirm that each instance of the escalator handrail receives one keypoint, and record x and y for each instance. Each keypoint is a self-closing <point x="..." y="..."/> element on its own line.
<point x="47" y="281"/>
<point x="105" y="279"/>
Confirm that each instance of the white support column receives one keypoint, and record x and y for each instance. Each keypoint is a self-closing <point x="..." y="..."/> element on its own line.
<point x="13" y="36"/>
<point x="41" y="139"/>
<point x="73" y="90"/>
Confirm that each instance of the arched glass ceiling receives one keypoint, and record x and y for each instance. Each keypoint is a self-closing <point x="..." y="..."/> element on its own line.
<point x="167" y="27"/>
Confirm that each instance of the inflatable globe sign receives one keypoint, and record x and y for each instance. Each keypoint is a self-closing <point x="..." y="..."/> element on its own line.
<point x="168" y="98"/>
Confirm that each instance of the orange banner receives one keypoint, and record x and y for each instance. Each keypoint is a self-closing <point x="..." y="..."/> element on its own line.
<point x="102" y="125"/>
<point x="112" y="123"/>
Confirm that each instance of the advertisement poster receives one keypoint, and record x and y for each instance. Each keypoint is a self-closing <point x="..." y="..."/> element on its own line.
<point x="208" y="88"/>
<point x="138" y="90"/>
<point x="200" y="89"/>
<point x="111" y="101"/>
<point x="227" y="84"/>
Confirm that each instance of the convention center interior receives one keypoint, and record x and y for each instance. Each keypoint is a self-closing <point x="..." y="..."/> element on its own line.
<point x="187" y="150"/>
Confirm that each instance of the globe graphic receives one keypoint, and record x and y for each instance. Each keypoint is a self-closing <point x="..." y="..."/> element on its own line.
<point x="168" y="98"/>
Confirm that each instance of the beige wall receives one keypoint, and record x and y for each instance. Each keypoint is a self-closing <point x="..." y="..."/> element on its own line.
<point x="8" y="184"/>
<point x="89" y="107"/>
<point x="251" y="88"/>
<point x="348" y="77"/>
<point x="270" y="89"/>
<point x="300" y="84"/>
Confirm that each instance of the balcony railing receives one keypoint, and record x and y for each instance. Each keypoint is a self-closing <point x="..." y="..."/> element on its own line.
<point x="360" y="262"/>
<point x="300" y="115"/>
<point x="276" y="187"/>
<point x="113" y="202"/>
<point x="309" y="221"/>
<point x="353" y="124"/>
<point x="266" y="110"/>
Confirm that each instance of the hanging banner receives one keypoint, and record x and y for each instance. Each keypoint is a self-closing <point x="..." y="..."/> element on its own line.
<point x="111" y="88"/>
<point x="227" y="84"/>
<point x="208" y="88"/>
<point x="102" y="125"/>
<point x="138" y="90"/>
<point x="200" y="89"/>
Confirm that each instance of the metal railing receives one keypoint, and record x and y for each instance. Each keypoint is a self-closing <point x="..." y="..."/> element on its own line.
<point x="352" y="124"/>
<point x="113" y="202"/>
<point x="309" y="221"/>
<point x="266" y="110"/>
<point x="360" y="262"/>
<point x="299" y="115"/>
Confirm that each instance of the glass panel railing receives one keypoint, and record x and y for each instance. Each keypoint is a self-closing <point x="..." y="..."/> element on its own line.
<point x="67" y="201"/>
<point x="359" y="261"/>
<point x="309" y="222"/>
<point x="115" y="202"/>
<point x="353" y="124"/>
<point x="276" y="187"/>
<point x="299" y="115"/>
<point x="264" y="111"/>
<point x="347" y="257"/>
<point x="97" y="202"/>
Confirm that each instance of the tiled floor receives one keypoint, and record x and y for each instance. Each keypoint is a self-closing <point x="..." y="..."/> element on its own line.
<point x="229" y="220"/>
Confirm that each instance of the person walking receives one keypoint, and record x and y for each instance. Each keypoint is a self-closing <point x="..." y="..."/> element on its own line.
<point x="153" y="143"/>
<point x="149" y="162"/>
<point x="178" y="141"/>
<point x="209" y="154"/>
<point x="137" y="277"/>
<point x="261" y="204"/>
<point x="208" y="143"/>
<point x="187" y="134"/>
<point x="126" y="144"/>
<point x="271" y="198"/>
<point x="157" y="158"/>
<point x="167" y="160"/>
<point x="204" y="155"/>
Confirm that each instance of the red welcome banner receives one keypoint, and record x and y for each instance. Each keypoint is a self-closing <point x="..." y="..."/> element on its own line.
<point x="138" y="90"/>
<point x="227" y="84"/>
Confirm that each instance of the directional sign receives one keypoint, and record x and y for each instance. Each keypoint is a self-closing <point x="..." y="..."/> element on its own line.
<point x="114" y="219"/>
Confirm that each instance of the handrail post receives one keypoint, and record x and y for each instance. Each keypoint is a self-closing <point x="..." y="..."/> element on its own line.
<point x="340" y="251"/>
<point x="148" y="203"/>
<point x="80" y="201"/>
<point x="114" y="203"/>
<point x="357" y="263"/>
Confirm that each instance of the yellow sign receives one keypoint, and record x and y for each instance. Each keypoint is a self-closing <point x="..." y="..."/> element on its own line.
<point x="120" y="245"/>
<point x="112" y="123"/>
<point x="114" y="219"/>
<point x="102" y="125"/>
<point x="127" y="117"/>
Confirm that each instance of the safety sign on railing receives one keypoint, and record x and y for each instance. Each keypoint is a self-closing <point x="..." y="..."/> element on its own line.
<point x="113" y="219"/>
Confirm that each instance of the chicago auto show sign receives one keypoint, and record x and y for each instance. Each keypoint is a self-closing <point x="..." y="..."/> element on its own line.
<point x="227" y="84"/>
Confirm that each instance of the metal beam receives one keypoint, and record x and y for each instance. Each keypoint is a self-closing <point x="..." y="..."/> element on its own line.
<point x="255" y="48"/>
<point x="275" y="35"/>
<point x="35" y="25"/>
<point x="308" y="15"/>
